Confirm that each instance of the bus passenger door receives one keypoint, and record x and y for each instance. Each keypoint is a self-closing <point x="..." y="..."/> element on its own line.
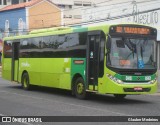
<point x="15" y="61"/>
<point x="93" y="50"/>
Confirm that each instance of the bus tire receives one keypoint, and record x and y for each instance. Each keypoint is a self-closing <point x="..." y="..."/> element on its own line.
<point x="120" y="96"/>
<point x="79" y="88"/>
<point x="25" y="82"/>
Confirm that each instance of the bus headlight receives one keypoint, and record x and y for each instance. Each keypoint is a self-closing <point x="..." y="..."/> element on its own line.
<point x="152" y="81"/>
<point x="114" y="79"/>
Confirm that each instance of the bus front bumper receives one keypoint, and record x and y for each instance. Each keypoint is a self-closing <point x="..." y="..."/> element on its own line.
<point x="112" y="87"/>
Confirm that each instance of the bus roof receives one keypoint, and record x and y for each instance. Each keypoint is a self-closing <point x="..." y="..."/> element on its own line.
<point x="64" y="30"/>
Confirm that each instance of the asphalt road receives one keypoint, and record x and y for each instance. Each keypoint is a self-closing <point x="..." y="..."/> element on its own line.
<point x="14" y="101"/>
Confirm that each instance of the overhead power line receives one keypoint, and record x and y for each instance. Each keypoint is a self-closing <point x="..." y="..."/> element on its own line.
<point x="97" y="21"/>
<point x="114" y="11"/>
<point x="119" y="7"/>
<point x="116" y="17"/>
<point x="87" y="8"/>
<point x="57" y="20"/>
<point x="92" y="7"/>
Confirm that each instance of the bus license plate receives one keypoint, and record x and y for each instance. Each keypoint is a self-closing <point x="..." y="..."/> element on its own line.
<point x="138" y="88"/>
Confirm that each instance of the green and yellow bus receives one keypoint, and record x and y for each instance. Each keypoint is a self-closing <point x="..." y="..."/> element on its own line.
<point x="117" y="59"/>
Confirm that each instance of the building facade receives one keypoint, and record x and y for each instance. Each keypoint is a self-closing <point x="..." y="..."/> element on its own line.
<point x="48" y="16"/>
<point x="72" y="9"/>
<point x="12" y="21"/>
<point x="4" y="3"/>
<point x="19" y="18"/>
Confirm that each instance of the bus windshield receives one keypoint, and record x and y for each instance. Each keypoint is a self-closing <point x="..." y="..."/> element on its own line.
<point x="132" y="53"/>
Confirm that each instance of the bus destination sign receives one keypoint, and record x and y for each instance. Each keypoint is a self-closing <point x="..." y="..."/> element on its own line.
<point x="133" y="30"/>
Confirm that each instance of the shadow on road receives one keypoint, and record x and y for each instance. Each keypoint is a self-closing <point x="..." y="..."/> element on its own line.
<point x="109" y="99"/>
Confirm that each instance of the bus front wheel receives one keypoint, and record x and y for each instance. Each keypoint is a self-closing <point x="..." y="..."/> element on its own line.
<point x="25" y="81"/>
<point x="79" y="88"/>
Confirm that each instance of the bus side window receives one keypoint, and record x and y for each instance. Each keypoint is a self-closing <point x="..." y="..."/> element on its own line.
<point x="63" y="41"/>
<point x="7" y="49"/>
<point x="36" y="43"/>
<point x="24" y="44"/>
<point x="73" y="39"/>
<point x="101" y="57"/>
<point x="77" y="45"/>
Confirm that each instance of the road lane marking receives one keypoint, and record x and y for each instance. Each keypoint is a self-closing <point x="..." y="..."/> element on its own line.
<point x="93" y="108"/>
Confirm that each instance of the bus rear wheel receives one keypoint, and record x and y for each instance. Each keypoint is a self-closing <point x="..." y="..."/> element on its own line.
<point x="119" y="96"/>
<point x="79" y="88"/>
<point x="25" y="81"/>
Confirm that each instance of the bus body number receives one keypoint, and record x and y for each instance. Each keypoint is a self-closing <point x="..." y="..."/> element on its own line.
<point x="128" y="78"/>
<point x="148" y="78"/>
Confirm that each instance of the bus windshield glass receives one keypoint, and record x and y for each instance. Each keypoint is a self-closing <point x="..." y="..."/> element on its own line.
<point x="132" y="53"/>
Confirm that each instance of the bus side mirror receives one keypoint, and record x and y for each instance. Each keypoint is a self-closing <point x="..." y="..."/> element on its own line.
<point x="108" y="43"/>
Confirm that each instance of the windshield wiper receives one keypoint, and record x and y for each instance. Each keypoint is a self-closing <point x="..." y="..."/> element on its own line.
<point x="142" y="52"/>
<point x="131" y="46"/>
